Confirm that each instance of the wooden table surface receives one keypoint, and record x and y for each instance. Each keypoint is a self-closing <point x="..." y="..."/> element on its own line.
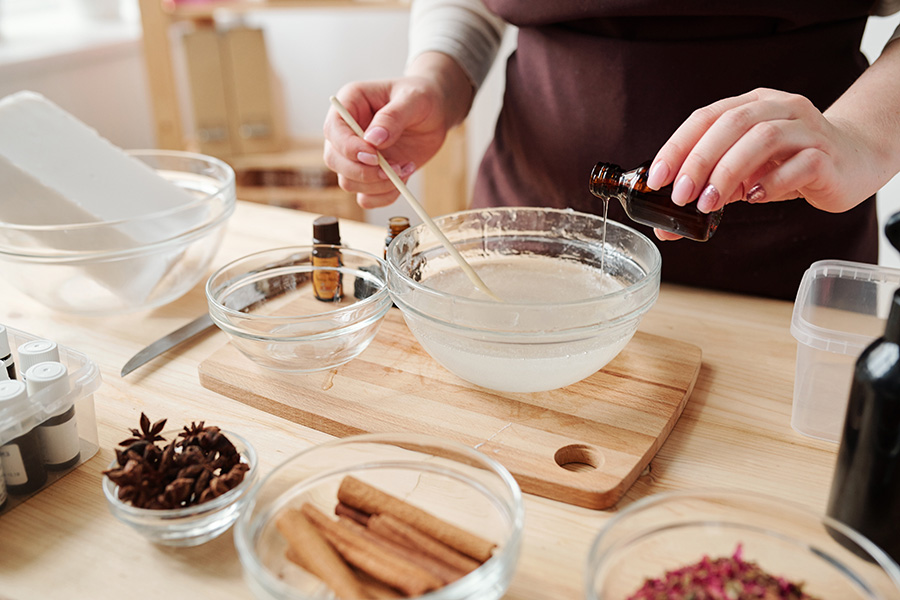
<point x="64" y="543"/>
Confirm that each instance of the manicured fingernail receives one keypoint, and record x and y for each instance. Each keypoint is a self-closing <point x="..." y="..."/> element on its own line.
<point x="367" y="158"/>
<point x="709" y="199"/>
<point x="407" y="170"/>
<point x="756" y="194"/>
<point x="657" y="174"/>
<point x="683" y="190"/>
<point x="376" y="136"/>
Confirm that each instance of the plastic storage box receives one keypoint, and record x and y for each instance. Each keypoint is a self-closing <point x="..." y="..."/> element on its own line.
<point x="44" y="408"/>
<point x="841" y="307"/>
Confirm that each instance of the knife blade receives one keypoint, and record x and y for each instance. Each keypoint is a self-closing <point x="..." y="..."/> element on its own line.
<point x="202" y="323"/>
<point x="245" y="300"/>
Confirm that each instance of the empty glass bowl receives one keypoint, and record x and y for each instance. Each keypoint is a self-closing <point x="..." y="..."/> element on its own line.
<point x="288" y="312"/>
<point x="672" y="530"/>
<point x="191" y="525"/>
<point x="449" y="480"/>
<point x="109" y="267"/>
<point x="574" y="289"/>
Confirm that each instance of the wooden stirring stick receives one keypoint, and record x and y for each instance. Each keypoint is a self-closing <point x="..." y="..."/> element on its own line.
<point x="404" y="191"/>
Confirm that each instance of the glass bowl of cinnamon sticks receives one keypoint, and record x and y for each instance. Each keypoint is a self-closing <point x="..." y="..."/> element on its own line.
<point x="382" y="516"/>
<point x="733" y="544"/>
<point x="180" y="487"/>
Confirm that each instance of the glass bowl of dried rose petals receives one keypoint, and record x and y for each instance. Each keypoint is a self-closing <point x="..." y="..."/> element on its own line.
<point x="180" y="487"/>
<point x="734" y="545"/>
<point x="382" y="516"/>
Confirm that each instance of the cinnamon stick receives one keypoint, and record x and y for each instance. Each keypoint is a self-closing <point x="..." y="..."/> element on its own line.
<point x="393" y="528"/>
<point x="311" y="551"/>
<point x="359" y="516"/>
<point x="371" y="558"/>
<point x="441" y="570"/>
<point x="366" y="498"/>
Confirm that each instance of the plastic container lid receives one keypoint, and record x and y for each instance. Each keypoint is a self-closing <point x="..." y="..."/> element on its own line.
<point x="83" y="379"/>
<point x="853" y="287"/>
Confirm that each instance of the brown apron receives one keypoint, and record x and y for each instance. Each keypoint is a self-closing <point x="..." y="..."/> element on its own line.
<point x="611" y="81"/>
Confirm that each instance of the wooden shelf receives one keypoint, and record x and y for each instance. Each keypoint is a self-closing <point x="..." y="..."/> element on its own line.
<point x="444" y="176"/>
<point x="207" y="10"/>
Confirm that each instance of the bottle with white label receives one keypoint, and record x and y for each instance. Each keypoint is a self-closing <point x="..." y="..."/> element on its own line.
<point x="21" y="459"/>
<point x="34" y="352"/>
<point x="58" y="434"/>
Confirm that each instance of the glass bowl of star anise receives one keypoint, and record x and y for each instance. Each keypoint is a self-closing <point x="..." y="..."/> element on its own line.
<point x="180" y="487"/>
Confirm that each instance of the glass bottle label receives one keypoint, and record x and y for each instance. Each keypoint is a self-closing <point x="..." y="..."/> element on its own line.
<point x="59" y="443"/>
<point x="13" y="465"/>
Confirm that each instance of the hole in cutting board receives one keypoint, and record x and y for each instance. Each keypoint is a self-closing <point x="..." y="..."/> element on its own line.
<point x="578" y="457"/>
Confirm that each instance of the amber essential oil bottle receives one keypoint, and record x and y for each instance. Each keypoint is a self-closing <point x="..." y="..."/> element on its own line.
<point x="396" y="225"/>
<point x="651" y="207"/>
<point x="327" y="283"/>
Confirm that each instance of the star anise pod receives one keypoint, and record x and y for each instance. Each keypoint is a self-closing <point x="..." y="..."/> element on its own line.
<point x="199" y="465"/>
<point x="147" y="433"/>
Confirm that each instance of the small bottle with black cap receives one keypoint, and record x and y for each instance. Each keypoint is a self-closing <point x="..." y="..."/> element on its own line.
<point x="326" y="258"/>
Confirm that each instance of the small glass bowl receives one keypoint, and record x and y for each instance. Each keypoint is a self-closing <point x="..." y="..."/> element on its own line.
<point x="560" y="320"/>
<point x="676" y="529"/>
<point x="451" y="481"/>
<point x="126" y="265"/>
<point x="192" y="525"/>
<point x="268" y="304"/>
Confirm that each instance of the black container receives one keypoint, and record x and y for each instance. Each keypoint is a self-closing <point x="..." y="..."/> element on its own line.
<point x="865" y="491"/>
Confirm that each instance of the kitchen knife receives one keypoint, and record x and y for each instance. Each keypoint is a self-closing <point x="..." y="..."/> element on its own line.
<point x="182" y="334"/>
<point x="246" y="299"/>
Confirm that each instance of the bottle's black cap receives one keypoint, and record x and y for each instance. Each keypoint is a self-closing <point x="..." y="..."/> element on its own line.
<point x="326" y="231"/>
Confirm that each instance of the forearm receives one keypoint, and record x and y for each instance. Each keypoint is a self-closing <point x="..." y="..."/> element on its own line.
<point x="870" y="110"/>
<point x="456" y="90"/>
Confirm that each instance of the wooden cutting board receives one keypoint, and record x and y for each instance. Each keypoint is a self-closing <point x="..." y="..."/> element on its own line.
<point x="584" y="444"/>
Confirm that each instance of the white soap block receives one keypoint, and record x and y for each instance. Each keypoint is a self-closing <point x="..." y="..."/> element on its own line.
<point x="55" y="170"/>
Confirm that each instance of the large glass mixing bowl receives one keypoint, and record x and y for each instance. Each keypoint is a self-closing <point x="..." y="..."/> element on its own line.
<point x="574" y="289"/>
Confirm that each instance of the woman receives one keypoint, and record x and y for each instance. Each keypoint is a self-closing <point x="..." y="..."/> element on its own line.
<point x="770" y="102"/>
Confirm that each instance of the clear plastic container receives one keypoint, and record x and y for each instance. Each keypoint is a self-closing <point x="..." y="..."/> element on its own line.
<point x="43" y="408"/>
<point x="841" y="307"/>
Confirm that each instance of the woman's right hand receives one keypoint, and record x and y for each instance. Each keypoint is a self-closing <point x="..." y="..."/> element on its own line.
<point x="406" y="119"/>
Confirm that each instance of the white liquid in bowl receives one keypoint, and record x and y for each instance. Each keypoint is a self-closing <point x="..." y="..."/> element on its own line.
<point x="529" y="363"/>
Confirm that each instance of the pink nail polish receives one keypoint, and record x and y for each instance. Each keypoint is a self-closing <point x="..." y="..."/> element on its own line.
<point x="682" y="190"/>
<point x="367" y="158"/>
<point x="376" y="136"/>
<point x="709" y="199"/>
<point x="657" y="174"/>
<point x="756" y="194"/>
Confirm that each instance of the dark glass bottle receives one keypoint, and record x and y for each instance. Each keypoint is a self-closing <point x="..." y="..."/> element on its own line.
<point x="23" y="466"/>
<point x="651" y="207"/>
<point x="327" y="283"/>
<point x="396" y="225"/>
<point x="865" y="491"/>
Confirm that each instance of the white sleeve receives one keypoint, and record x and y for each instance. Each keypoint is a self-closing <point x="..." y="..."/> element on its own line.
<point x="463" y="29"/>
<point x="884" y="8"/>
